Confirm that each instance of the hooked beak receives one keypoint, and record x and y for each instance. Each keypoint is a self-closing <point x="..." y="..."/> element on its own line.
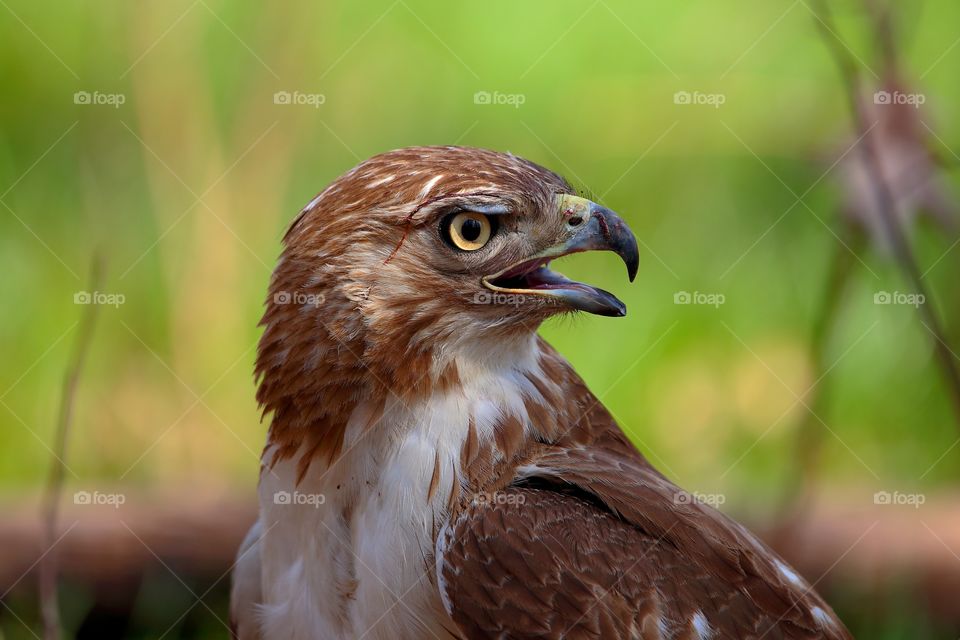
<point x="589" y="227"/>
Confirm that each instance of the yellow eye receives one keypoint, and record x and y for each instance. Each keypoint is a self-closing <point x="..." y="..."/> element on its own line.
<point x="469" y="230"/>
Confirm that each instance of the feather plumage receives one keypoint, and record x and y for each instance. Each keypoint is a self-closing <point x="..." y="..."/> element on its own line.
<point x="434" y="469"/>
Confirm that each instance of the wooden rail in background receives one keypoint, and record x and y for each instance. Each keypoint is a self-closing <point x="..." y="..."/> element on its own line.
<point x="851" y="543"/>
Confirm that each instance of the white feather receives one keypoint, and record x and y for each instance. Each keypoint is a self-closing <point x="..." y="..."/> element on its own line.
<point x="360" y="563"/>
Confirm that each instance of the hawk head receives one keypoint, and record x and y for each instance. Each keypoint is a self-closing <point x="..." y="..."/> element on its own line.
<point x="417" y="261"/>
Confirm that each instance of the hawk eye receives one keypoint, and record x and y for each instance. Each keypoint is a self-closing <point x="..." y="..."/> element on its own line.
<point x="467" y="230"/>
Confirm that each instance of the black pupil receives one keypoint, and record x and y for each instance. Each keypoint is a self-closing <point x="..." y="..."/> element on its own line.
<point x="471" y="229"/>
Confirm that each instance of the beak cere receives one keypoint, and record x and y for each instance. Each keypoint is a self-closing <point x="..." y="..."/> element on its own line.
<point x="588" y="227"/>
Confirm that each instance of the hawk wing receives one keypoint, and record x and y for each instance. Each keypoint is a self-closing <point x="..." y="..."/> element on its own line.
<point x="592" y="542"/>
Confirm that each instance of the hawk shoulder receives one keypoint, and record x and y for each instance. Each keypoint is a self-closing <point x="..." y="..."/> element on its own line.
<point x="591" y="542"/>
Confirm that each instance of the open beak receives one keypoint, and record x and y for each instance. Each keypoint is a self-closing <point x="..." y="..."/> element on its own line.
<point x="589" y="227"/>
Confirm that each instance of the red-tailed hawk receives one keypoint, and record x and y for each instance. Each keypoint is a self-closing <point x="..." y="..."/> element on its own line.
<point x="434" y="469"/>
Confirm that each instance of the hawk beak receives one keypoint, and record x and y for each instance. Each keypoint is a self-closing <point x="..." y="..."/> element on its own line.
<point x="587" y="227"/>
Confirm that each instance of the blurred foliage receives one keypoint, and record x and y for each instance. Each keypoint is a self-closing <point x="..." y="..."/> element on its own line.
<point x="188" y="185"/>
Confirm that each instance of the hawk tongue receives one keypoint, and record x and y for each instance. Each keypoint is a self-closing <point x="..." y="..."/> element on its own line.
<point x="577" y="294"/>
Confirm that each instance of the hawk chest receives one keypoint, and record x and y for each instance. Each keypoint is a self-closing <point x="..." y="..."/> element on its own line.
<point x="349" y="550"/>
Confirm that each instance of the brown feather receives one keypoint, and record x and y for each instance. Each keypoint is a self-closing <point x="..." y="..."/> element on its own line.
<point x="579" y="536"/>
<point x="600" y="546"/>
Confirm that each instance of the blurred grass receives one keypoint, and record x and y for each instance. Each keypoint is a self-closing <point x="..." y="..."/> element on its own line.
<point x="709" y="393"/>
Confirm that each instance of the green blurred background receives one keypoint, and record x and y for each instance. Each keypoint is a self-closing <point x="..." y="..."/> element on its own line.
<point x="187" y="186"/>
